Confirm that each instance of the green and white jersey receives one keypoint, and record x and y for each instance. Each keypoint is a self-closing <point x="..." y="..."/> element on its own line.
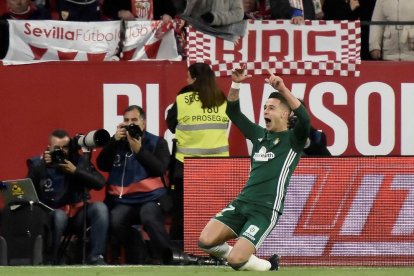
<point x="275" y="156"/>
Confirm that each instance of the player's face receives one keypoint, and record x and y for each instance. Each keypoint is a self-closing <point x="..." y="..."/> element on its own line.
<point x="275" y="115"/>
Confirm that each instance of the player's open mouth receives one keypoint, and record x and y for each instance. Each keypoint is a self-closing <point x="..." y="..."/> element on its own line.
<point x="267" y="121"/>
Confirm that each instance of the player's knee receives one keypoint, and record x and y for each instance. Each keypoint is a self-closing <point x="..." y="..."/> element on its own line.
<point x="205" y="242"/>
<point x="236" y="261"/>
<point x="236" y="266"/>
<point x="203" y="246"/>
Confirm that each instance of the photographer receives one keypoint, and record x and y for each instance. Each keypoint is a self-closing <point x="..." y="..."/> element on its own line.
<point x="62" y="178"/>
<point x="136" y="161"/>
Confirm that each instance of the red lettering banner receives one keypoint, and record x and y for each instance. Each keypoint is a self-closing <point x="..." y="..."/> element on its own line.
<point x="314" y="48"/>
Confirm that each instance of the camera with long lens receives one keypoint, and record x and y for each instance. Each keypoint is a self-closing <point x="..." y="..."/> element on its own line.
<point x="94" y="139"/>
<point x="134" y="131"/>
<point x="58" y="156"/>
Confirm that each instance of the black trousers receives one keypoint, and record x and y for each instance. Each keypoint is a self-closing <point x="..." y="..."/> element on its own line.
<point x="151" y="218"/>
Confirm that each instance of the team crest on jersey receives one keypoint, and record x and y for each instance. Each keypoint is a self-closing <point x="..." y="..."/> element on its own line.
<point x="263" y="155"/>
<point x="251" y="232"/>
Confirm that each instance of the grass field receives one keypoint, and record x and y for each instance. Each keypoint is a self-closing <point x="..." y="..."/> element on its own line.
<point x="195" y="270"/>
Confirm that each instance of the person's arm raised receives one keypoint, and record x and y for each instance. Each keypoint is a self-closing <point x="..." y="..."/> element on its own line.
<point x="277" y="83"/>
<point x="237" y="77"/>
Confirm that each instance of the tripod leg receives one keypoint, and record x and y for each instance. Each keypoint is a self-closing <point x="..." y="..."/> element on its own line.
<point x="84" y="230"/>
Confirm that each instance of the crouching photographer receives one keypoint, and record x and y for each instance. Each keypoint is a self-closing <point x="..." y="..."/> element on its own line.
<point x="63" y="176"/>
<point x="136" y="194"/>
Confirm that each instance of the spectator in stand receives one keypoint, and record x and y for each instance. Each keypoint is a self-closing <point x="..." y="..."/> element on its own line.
<point x="205" y="137"/>
<point x="221" y="18"/>
<point x="275" y="9"/>
<point x="142" y="9"/>
<point x="215" y="13"/>
<point x="366" y="9"/>
<point x="163" y="10"/>
<point x="62" y="178"/>
<point x="25" y="10"/>
<point x="261" y="9"/>
<point x="296" y="11"/>
<point x="18" y="10"/>
<point x="341" y="10"/>
<point x="179" y="5"/>
<point x="352" y="10"/>
<point x="392" y="42"/>
<point x="312" y="9"/>
<point x="79" y="10"/>
<point x="136" y="161"/>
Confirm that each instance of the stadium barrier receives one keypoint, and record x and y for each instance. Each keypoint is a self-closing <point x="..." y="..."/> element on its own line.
<point x="354" y="211"/>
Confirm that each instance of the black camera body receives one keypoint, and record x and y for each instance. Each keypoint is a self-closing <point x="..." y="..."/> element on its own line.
<point x="134" y="131"/>
<point x="58" y="156"/>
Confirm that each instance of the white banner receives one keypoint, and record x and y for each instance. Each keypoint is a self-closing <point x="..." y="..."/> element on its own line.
<point x="49" y="40"/>
<point x="147" y="40"/>
<point x="313" y="48"/>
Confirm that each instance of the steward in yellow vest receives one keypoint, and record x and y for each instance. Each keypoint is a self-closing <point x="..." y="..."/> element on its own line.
<point x="200" y="131"/>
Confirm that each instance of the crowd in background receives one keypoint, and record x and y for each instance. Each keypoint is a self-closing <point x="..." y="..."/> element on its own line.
<point x="226" y="19"/>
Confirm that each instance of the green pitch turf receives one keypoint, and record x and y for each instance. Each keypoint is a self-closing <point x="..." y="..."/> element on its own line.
<point x="196" y="270"/>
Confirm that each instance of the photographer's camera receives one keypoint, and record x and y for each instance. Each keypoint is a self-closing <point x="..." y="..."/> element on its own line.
<point x="58" y="156"/>
<point x="94" y="139"/>
<point x="134" y="131"/>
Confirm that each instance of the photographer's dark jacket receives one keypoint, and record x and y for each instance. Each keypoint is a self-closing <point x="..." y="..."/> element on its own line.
<point x="135" y="178"/>
<point x="61" y="190"/>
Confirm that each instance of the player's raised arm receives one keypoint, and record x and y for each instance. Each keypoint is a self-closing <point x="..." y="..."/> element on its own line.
<point x="277" y="83"/>
<point x="237" y="76"/>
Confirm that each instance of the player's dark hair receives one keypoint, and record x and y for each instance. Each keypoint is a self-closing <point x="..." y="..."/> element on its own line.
<point x="277" y="95"/>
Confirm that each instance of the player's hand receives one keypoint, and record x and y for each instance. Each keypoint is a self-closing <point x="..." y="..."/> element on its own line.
<point x="276" y="82"/>
<point x="239" y="74"/>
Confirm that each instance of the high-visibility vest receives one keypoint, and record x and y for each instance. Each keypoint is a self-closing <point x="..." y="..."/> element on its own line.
<point x="200" y="132"/>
